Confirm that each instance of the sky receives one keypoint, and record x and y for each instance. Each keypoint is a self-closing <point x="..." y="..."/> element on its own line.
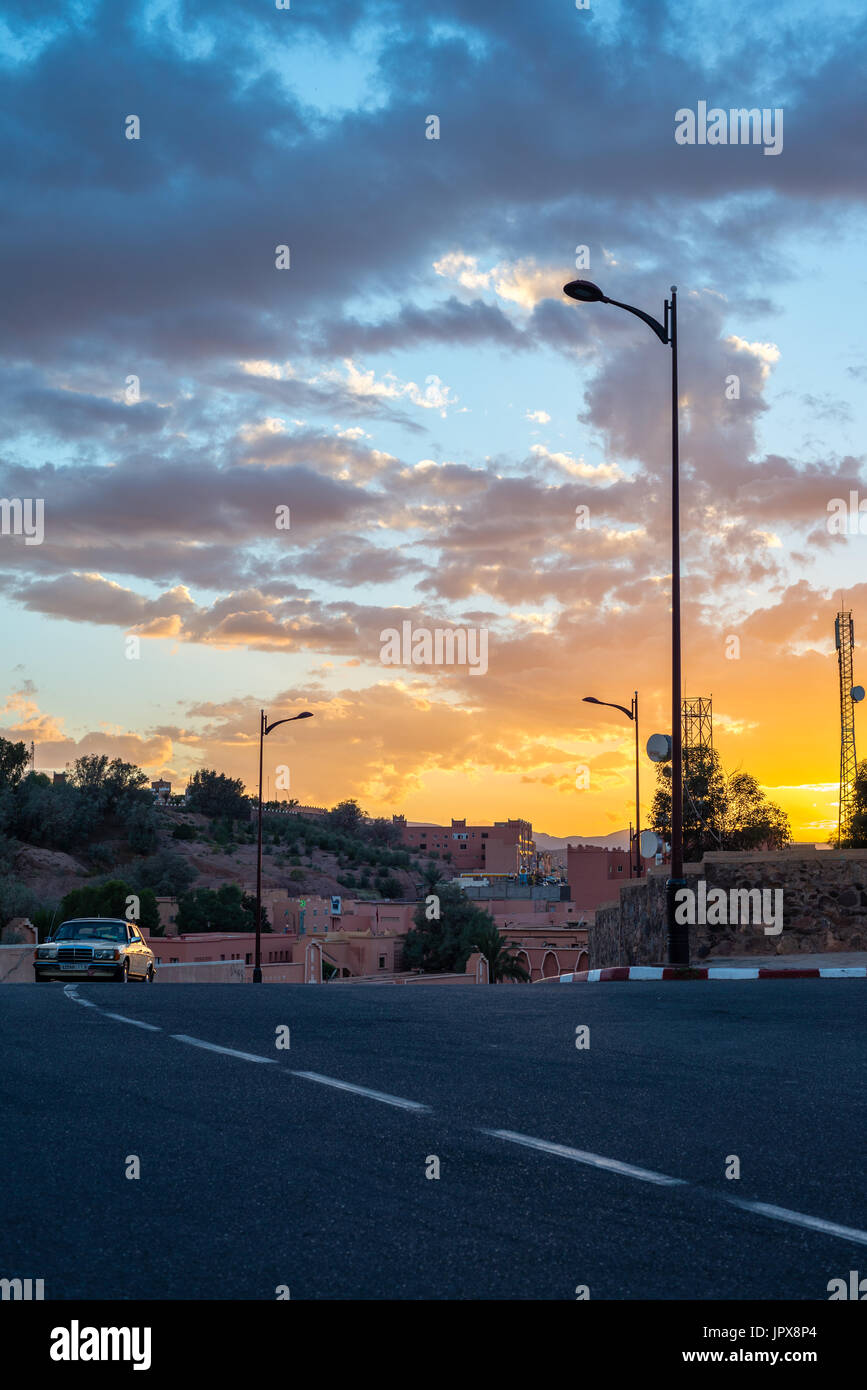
<point x="254" y="462"/>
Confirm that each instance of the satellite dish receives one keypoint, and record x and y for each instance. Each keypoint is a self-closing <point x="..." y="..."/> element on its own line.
<point x="659" y="748"/>
<point x="857" y="693"/>
<point x="649" y="843"/>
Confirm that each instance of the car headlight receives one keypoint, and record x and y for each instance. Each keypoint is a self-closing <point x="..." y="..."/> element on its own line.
<point x="46" y="952"/>
<point x="105" y="955"/>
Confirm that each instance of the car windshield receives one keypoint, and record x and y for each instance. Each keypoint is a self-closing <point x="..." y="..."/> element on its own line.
<point x="90" y="931"/>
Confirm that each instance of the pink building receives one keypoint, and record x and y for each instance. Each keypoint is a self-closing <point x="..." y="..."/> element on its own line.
<point x="506" y="847"/>
<point x="594" y="873"/>
<point x="365" y="939"/>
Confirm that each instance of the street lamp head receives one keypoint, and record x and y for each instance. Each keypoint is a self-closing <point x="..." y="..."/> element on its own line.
<point x="591" y="700"/>
<point x="307" y="714"/>
<point x="583" y="290"/>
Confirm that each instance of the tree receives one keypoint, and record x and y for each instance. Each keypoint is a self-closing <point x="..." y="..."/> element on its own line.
<point x="166" y="872"/>
<point x="498" y="951"/>
<point x="107" y="783"/>
<point x="213" y="794"/>
<point x="346" y="816"/>
<point x="141" y="830"/>
<point x="381" y="831"/>
<point x="854" y="830"/>
<point x="444" y="943"/>
<point x="60" y="817"/>
<point x="110" y="899"/>
<point x="704" y="802"/>
<point x="719" y="812"/>
<point x="16" y="900"/>
<point x="388" y="886"/>
<point x="431" y="878"/>
<point x="13" y="760"/>
<point x="226" y="909"/>
<point x="752" y="821"/>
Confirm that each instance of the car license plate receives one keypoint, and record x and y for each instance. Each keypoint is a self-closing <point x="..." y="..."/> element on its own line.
<point x="78" y="966"/>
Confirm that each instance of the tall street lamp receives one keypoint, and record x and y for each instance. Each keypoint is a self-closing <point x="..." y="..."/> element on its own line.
<point x="264" y="729"/>
<point x="677" y="933"/>
<point x="632" y="714"/>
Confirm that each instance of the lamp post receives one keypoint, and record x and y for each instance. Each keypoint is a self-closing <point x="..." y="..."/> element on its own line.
<point x="677" y="934"/>
<point x="264" y="729"/>
<point x="631" y="713"/>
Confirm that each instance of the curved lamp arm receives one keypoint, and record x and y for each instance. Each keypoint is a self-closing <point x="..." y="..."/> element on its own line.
<point x="591" y="700"/>
<point x="661" y="333"/>
<point x="268" y="727"/>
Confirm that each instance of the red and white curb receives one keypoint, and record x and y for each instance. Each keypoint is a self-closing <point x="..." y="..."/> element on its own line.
<point x="711" y="972"/>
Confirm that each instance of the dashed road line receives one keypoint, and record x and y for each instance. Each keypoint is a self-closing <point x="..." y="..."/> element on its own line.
<point x="362" y="1091"/>
<point x="228" y="1051"/>
<point x="797" y="1218"/>
<point x="136" y="1023"/>
<point x="582" y="1156"/>
<point x="69" y="991"/>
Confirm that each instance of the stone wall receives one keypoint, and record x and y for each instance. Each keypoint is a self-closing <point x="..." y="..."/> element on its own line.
<point x="824" y="908"/>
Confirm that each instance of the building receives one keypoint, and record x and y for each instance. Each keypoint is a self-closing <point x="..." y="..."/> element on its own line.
<point x="162" y="790"/>
<point x="506" y="847"/>
<point x="594" y="873"/>
<point x="364" y="939"/>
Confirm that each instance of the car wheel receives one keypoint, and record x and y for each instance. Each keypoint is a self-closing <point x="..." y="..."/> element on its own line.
<point x="149" y="977"/>
<point x="123" y="976"/>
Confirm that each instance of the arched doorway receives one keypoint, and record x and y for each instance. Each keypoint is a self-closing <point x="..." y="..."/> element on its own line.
<point x="550" y="965"/>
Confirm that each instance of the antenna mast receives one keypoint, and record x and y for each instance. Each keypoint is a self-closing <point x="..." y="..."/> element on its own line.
<point x="850" y="694"/>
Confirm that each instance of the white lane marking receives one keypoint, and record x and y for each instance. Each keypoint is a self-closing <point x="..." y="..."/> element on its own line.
<point x="797" y="1218"/>
<point x="362" y="1091"/>
<point x="122" y="1018"/>
<point x="229" y="1051"/>
<point x="581" y="1156"/>
<point x="69" y="991"/>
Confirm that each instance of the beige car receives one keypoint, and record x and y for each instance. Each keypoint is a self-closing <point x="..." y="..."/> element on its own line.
<point x="95" y="948"/>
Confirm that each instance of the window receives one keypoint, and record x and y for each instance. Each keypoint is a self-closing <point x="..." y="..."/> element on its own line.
<point x="382" y="962"/>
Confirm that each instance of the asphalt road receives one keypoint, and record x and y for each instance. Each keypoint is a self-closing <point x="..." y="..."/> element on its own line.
<point x="254" y="1175"/>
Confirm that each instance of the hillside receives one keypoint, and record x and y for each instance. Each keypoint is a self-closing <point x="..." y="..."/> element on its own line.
<point x="191" y="851"/>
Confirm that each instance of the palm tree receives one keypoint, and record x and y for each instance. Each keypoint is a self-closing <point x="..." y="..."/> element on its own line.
<point x="431" y="878"/>
<point x="498" y="951"/>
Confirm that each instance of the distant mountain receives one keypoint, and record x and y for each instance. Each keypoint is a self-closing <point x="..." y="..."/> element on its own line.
<point x="618" y="839"/>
